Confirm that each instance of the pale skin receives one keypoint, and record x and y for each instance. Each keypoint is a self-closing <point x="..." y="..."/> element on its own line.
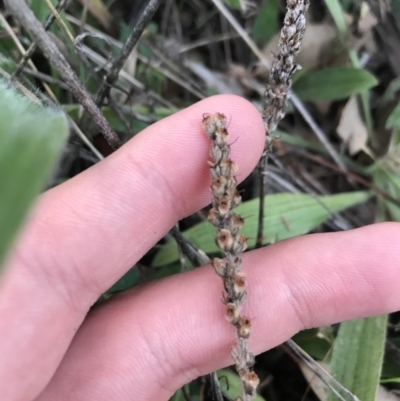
<point x="83" y="235"/>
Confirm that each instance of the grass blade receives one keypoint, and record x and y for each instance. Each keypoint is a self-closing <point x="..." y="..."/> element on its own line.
<point x="357" y="356"/>
<point x="287" y="215"/>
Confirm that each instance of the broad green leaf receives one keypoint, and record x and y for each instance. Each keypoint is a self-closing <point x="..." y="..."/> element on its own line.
<point x="336" y="11"/>
<point x="31" y="138"/>
<point x="333" y="83"/>
<point x="357" y="356"/>
<point x="266" y="22"/>
<point x="287" y="215"/>
<point x="231" y="386"/>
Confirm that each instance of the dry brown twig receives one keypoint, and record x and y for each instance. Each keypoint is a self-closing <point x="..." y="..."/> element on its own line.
<point x="228" y="238"/>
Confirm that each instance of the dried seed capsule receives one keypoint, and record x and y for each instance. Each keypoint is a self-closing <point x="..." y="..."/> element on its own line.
<point x="212" y="123"/>
<point x="235" y="223"/>
<point x="213" y="217"/>
<point x="224" y="240"/>
<point x="228" y="167"/>
<point x="232" y="313"/>
<point x="239" y="244"/>
<point x="238" y="220"/>
<point x="244" y="327"/>
<point x="250" y="382"/>
<point x="236" y="198"/>
<point x="219" y="120"/>
<point x="219" y="266"/>
<point x="221" y="135"/>
<point x="239" y="283"/>
<point x="224" y="205"/>
<point x="209" y="125"/>
<point x="218" y="186"/>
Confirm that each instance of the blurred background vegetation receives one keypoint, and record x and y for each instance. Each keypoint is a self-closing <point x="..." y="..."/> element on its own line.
<point x="336" y="158"/>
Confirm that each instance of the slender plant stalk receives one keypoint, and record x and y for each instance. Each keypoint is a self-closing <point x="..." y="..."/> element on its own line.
<point x="228" y="238"/>
<point x="29" y="53"/>
<point x="196" y="256"/>
<point x="21" y="10"/>
<point x="127" y="49"/>
<point x="277" y="93"/>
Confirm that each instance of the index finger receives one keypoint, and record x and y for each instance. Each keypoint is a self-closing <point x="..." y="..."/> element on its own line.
<point x="85" y="234"/>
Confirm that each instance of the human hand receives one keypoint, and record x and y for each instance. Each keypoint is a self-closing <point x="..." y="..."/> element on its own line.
<point x="147" y="342"/>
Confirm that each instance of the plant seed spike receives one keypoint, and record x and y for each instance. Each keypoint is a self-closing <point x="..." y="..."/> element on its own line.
<point x="228" y="238"/>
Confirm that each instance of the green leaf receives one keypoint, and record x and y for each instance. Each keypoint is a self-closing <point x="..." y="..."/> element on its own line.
<point x="31" y="138"/>
<point x="395" y="6"/>
<point x="315" y="344"/>
<point x="393" y="120"/>
<point x="158" y="113"/>
<point x="333" y="83"/>
<point x="166" y="270"/>
<point x="357" y="356"/>
<point x="235" y="4"/>
<point x="392" y="380"/>
<point x="336" y="11"/>
<point x="128" y="280"/>
<point x="41" y="9"/>
<point x="389" y="181"/>
<point x="178" y="396"/>
<point x="287" y="215"/>
<point x="391" y="91"/>
<point x="7" y="64"/>
<point x="295" y="140"/>
<point x="266" y="22"/>
<point x="231" y="386"/>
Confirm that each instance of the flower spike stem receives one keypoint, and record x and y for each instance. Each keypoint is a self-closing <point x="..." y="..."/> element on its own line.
<point x="225" y="197"/>
<point x="277" y="92"/>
